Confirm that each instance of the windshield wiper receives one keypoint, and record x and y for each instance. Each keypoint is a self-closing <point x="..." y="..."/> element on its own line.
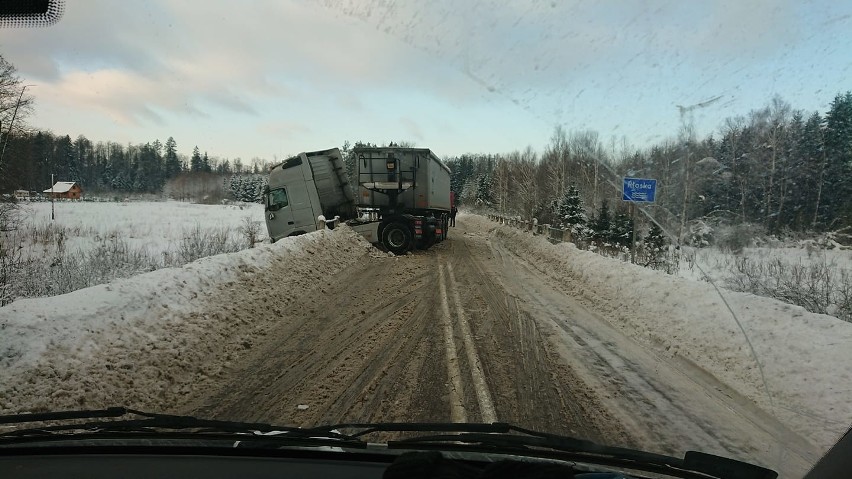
<point x="499" y="438"/>
<point x="154" y="423"/>
<point x="507" y="439"/>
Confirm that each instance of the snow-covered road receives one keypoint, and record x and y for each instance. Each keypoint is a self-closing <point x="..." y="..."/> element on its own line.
<point x="667" y="403"/>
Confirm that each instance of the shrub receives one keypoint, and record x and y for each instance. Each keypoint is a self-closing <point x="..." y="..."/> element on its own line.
<point x="737" y="237"/>
<point x="819" y="287"/>
<point x="250" y="230"/>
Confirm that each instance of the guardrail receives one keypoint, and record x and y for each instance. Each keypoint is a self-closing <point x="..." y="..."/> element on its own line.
<point x="323" y="223"/>
<point x="553" y="233"/>
<point x="667" y="260"/>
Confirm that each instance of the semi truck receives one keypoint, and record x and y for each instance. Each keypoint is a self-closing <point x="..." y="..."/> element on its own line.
<point x="402" y="198"/>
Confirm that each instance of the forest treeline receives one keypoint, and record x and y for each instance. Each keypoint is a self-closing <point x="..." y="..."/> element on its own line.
<point x="776" y="167"/>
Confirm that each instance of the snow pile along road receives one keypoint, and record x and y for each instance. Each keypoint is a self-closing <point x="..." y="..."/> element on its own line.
<point x="148" y="340"/>
<point x="805" y="357"/>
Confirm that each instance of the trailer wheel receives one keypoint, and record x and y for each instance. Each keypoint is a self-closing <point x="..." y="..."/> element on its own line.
<point x="396" y="237"/>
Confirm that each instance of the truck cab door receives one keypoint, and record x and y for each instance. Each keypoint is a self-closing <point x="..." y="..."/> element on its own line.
<point x="304" y="214"/>
<point x="278" y="213"/>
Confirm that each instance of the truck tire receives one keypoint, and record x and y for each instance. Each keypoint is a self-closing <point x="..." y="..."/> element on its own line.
<point x="396" y="237"/>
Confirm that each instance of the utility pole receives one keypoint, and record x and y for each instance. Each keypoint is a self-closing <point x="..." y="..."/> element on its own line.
<point x="52" y="212"/>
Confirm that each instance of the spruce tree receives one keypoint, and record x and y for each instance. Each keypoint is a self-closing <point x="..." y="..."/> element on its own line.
<point x="570" y="212"/>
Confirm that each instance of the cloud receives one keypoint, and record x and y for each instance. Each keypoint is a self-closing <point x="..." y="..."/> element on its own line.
<point x="412" y="128"/>
<point x="508" y="46"/>
<point x="279" y="67"/>
<point x="283" y="129"/>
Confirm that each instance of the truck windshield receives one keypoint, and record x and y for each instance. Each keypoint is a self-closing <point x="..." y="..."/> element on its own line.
<point x="277" y="199"/>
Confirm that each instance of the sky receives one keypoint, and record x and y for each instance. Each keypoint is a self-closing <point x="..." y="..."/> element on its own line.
<point x="272" y="78"/>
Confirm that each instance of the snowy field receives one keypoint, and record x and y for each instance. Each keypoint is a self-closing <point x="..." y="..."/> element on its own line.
<point x="717" y="264"/>
<point x="157" y="227"/>
<point x="819" y="279"/>
<point x="91" y="243"/>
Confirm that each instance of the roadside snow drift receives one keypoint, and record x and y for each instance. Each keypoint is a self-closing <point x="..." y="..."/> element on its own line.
<point x="806" y="357"/>
<point x="147" y="340"/>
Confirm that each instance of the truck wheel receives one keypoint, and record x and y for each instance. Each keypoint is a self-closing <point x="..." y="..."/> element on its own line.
<point x="396" y="237"/>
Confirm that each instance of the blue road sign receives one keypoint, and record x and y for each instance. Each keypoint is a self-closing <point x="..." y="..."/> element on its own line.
<point x="639" y="190"/>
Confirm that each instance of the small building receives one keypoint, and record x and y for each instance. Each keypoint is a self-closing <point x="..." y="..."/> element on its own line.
<point x="69" y="190"/>
<point x="22" y="195"/>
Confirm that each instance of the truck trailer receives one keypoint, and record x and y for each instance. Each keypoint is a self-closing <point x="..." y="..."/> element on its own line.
<point x="401" y="200"/>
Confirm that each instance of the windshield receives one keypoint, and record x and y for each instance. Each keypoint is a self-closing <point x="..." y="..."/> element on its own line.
<point x="277" y="199"/>
<point x="643" y="238"/>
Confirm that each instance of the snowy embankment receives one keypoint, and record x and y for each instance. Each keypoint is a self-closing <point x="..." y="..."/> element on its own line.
<point x="806" y="358"/>
<point x="148" y="340"/>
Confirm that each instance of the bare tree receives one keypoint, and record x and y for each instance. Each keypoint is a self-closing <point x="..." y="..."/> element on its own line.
<point x="15" y="105"/>
<point x="11" y="98"/>
<point x="732" y="131"/>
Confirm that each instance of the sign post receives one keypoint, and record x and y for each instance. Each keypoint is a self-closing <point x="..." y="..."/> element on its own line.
<point x="633" y="233"/>
<point x="637" y="190"/>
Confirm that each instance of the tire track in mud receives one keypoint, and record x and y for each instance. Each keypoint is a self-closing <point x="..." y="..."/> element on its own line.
<point x="666" y="407"/>
<point x="533" y="386"/>
<point x="429" y="337"/>
<point x="337" y="352"/>
<point x="600" y="356"/>
<point x="480" y="385"/>
<point x="456" y="393"/>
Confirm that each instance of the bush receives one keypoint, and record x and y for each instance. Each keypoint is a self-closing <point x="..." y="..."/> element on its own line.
<point x="735" y="238"/>
<point x="52" y="269"/>
<point x="198" y="243"/>
<point x="818" y="287"/>
<point x="700" y="234"/>
<point x="250" y="230"/>
<point x="10" y="250"/>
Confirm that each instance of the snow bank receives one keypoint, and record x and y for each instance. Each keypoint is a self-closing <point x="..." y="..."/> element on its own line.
<point x="146" y="340"/>
<point x="806" y="357"/>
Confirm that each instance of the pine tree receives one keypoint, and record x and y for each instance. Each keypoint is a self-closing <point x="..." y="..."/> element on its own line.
<point x="655" y="240"/>
<point x="205" y="163"/>
<point x="483" y="190"/>
<point x="654" y="245"/>
<point x="838" y="144"/>
<point x="570" y="212"/>
<point x="195" y="163"/>
<point x="602" y="226"/>
<point x="172" y="164"/>
<point x="235" y="186"/>
<point x="621" y="230"/>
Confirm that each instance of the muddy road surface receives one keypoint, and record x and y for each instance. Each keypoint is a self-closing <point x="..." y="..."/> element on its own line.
<point x="469" y="331"/>
<point x="430" y="336"/>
